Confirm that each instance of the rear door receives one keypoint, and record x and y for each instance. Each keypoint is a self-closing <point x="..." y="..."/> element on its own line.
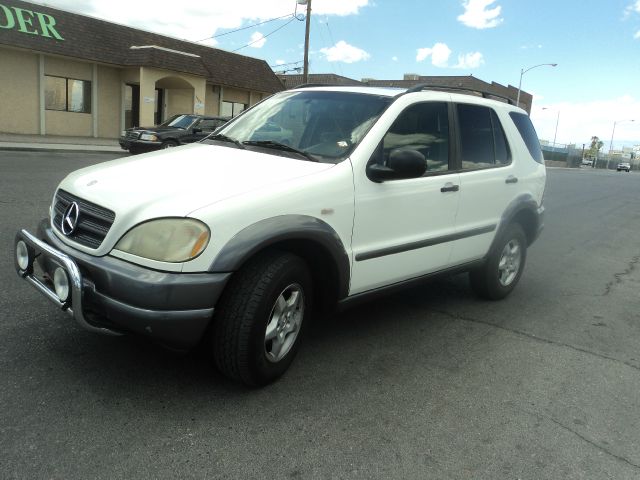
<point x="488" y="182"/>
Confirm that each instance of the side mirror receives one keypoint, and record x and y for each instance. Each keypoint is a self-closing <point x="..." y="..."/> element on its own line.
<point x="197" y="130"/>
<point x="402" y="164"/>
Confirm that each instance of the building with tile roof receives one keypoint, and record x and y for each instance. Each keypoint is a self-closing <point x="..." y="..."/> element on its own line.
<point x="69" y="74"/>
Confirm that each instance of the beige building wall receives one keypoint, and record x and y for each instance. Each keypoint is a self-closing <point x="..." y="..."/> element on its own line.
<point x="130" y="75"/>
<point x="20" y="95"/>
<point x="62" y="67"/>
<point x="68" y="123"/>
<point x="179" y="101"/>
<point x="19" y="92"/>
<point x="173" y="81"/>
<point x="234" y="95"/>
<point x="109" y="102"/>
<point x="73" y="124"/>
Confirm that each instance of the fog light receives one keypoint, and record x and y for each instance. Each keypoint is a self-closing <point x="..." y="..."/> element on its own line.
<point x="61" y="284"/>
<point x="22" y="255"/>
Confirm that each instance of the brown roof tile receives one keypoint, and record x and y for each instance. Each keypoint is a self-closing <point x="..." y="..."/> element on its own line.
<point x="96" y="40"/>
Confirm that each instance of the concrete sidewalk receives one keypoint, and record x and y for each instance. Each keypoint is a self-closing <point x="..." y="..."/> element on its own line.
<point x="55" y="143"/>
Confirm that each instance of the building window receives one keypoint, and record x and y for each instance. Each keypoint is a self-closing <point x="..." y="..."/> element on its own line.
<point x="67" y="94"/>
<point x="231" y="109"/>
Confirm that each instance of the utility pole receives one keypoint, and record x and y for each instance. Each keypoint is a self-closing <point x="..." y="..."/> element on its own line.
<point x="305" y="75"/>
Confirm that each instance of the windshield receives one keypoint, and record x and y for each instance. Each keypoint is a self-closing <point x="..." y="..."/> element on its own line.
<point x="325" y="125"/>
<point x="179" y="121"/>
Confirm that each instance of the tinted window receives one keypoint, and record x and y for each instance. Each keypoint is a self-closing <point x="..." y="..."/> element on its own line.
<point x="528" y="134"/>
<point x="423" y="127"/>
<point x="503" y="156"/>
<point x="482" y="140"/>
<point x="179" y="121"/>
<point x="208" y="124"/>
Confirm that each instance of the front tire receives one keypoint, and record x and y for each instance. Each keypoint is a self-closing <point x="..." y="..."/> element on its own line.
<point x="260" y="318"/>
<point x="503" y="268"/>
<point x="168" y="144"/>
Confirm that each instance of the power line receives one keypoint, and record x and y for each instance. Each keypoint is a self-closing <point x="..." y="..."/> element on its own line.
<point x="284" y="64"/>
<point x="295" y="15"/>
<point x="333" y="43"/>
<point x="267" y="35"/>
<point x="246" y="27"/>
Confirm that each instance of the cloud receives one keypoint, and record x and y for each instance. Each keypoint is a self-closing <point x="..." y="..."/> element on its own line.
<point x="469" y="60"/>
<point x="395" y="59"/>
<point x="199" y="20"/>
<point x="334" y="7"/>
<point x="527" y="47"/>
<point x="280" y="62"/>
<point x="343" y="52"/>
<point x="636" y="35"/>
<point x="633" y="8"/>
<point x="476" y="14"/>
<point x="257" y="40"/>
<point x="439" y="53"/>
<point x="578" y="122"/>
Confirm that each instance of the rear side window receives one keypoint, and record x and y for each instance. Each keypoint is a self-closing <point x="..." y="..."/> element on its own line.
<point x="528" y="134"/>
<point x="482" y="140"/>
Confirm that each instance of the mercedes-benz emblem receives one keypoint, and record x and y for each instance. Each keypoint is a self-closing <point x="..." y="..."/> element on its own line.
<point x="70" y="219"/>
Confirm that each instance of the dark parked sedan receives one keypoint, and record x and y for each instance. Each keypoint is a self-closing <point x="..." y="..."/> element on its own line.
<point x="178" y="130"/>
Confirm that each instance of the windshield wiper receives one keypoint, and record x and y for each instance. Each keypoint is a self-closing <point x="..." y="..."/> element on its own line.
<point x="223" y="138"/>
<point x="280" y="146"/>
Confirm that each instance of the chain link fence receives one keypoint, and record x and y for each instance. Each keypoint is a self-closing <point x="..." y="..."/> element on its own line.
<point x="570" y="157"/>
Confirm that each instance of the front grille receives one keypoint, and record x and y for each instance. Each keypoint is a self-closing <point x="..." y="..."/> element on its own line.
<point x="93" y="224"/>
<point x="132" y="135"/>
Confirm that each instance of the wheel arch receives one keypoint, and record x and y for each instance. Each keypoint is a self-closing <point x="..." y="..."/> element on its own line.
<point x="315" y="241"/>
<point x="525" y="211"/>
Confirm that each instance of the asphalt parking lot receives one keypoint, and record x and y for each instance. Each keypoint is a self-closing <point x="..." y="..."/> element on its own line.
<point x="427" y="383"/>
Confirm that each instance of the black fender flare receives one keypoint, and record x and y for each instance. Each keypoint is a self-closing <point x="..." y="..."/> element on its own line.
<point x="522" y="203"/>
<point x="270" y="231"/>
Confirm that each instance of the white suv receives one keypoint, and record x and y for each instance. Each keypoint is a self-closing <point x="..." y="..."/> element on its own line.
<point x="236" y="239"/>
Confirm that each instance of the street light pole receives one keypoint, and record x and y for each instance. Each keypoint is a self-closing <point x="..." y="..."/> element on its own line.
<point x="612" y="134"/>
<point x="555" y="135"/>
<point x="523" y="71"/>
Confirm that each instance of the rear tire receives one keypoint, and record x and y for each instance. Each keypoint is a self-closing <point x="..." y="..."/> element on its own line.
<point x="503" y="268"/>
<point x="260" y="318"/>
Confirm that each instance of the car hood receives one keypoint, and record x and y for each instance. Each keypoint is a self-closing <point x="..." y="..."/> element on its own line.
<point x="180" y="180"/>
<point x="156" y="129"/>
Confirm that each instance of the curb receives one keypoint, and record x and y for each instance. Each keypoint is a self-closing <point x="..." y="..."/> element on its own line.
<point x="63" y="149"/>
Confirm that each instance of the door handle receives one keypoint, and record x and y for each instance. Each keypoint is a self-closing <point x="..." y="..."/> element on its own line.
<point x="450" y="187"/>
<point x="511" y="179"/>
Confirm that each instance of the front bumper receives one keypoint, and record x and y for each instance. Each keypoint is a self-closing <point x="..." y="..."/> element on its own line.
<point x="111" y="296"/>
<point x="126" y="144"/>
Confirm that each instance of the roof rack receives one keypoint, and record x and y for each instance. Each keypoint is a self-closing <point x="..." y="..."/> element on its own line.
<point x="309" y="85"/>
<point x="485" y="94"/>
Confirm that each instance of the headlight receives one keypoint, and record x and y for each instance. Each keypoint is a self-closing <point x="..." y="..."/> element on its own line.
<point x="166" y="239"/>
<point x="148" y="136"/>
<point x="123" y="133"/>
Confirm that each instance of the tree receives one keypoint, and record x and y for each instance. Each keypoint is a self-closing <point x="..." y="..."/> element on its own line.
<point x="596" y="145"/>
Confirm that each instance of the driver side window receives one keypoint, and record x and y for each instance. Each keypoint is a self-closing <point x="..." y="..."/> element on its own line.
<point x="423" y="127"/>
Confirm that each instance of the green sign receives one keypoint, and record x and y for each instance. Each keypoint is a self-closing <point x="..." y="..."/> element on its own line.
<point x="26" y="21"/>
